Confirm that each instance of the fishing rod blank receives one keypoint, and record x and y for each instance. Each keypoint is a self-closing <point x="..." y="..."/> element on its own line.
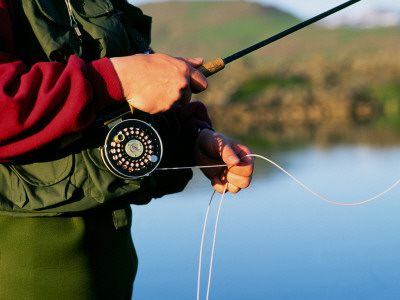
<point x="218" y="64"/>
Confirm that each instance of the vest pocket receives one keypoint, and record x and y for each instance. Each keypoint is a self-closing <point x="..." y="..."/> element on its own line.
<point x="105" y="186"/>
<point x="42" y="185"/>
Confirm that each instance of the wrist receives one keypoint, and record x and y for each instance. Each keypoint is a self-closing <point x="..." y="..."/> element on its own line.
<point x="202" y="129"/>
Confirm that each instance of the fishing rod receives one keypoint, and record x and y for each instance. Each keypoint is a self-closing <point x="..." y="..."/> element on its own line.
<point x="133" y="148"/>
<point x="218" y="64"/>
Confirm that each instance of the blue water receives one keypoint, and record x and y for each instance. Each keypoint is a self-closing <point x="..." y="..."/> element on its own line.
<point x="275" y="240"/>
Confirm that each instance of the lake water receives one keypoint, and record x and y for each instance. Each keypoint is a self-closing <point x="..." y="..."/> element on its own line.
<point x="276" y="240"/>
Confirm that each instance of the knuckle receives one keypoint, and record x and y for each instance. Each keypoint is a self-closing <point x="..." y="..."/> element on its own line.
<point x="182" y="83"/>
<point x="246" y="184"/>
<point x="248" y="172"/>
<point x="182" y="66"/>
<point x="234" y="189"/>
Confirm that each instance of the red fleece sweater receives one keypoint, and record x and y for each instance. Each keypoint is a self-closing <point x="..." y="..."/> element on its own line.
<point x="49" y="100"/>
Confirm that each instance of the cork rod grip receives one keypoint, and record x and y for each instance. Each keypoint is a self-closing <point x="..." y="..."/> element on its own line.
<point x="212" y="67"/>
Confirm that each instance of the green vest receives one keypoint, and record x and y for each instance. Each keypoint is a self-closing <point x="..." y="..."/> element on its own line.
<point x="50" y="31"/>
<point x="74" y="179"/>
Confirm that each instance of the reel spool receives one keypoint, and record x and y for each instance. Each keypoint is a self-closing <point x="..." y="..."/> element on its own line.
<point x="132" y="149"/>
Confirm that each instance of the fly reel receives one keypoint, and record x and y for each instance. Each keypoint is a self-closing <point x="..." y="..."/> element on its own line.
<point x="132" y="149"/>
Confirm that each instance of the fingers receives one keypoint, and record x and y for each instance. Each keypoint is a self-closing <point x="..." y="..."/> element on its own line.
<point x="239" y="180"/>
<point x="240" y="168"/>
<point x="236" y="157"/>
<point x="244" y="168"/>
<point x="212" y="148"/>
<point x="239" y="174"/>
<point x="197" y="81"/>
<point x="233" y="181"/>
<point x="228" y="153"/>
<point x="194" y="62"/>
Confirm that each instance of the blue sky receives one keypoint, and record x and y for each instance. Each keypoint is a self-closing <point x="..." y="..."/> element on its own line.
<point x="308" y="8"/>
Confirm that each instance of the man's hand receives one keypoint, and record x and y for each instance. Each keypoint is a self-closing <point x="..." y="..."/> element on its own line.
<point x="153" y="83"/>
<point x="213" y="148"/>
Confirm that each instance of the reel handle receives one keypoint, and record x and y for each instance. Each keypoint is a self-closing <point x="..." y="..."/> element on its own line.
<point x="121" y="110"/>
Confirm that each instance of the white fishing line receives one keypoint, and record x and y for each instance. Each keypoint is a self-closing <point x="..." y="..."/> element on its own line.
<point x="291" y="176"/>
<point x="220" y="205"/>
<point x="193" y="167"/>
<point x="213" y="245"/>
<point x="319" y="196"/>
<point x="201" y="245"/>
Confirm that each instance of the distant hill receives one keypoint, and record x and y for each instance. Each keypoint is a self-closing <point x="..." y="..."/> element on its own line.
<point x="212" y="28"/>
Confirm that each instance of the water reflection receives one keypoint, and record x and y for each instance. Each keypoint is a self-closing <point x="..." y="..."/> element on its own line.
<point x="275" y="239"/>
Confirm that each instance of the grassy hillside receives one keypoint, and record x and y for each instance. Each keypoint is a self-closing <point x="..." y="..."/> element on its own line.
<point x="316" y="84"/>
<point x="212" y="28"/>
<point x="219" y="28"/>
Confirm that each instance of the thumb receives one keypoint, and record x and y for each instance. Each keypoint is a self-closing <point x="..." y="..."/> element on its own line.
<point x="229" y="156"/>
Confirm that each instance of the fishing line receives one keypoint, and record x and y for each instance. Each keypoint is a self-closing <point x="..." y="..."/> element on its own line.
<point x="213" y="245"/>
<point x="193" y="167"/>
<point x="292" y="177"/>
<point x="220" y="205"/>
<point x="319" y="196"/>
<point x="201" y="245"/>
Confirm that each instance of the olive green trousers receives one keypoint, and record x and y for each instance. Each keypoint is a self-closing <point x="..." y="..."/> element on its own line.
<point x="86" y="257"/>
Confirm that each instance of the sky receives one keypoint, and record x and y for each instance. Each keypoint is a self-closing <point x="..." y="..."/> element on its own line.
<point x="309" y="8"/>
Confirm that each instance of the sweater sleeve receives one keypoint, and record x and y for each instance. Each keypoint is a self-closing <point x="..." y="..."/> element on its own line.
<point x="49" y="100"/>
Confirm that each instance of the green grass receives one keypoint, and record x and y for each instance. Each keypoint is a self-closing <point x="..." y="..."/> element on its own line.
<point x="252" y="88"/>
<point x="213" y="27"/>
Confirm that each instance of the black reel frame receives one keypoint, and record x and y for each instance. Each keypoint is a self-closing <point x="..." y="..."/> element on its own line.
<point x="132" y="149"/>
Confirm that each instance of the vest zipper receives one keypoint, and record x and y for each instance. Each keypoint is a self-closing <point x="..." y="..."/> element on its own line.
<point x="73" y="22"/>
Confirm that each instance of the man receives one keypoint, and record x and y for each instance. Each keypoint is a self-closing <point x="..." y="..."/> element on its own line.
<point x="64" y="218"/>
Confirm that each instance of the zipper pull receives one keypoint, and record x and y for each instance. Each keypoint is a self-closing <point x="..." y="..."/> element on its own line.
<point x="73" y="22"/>
<point x="77" y="32"/>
